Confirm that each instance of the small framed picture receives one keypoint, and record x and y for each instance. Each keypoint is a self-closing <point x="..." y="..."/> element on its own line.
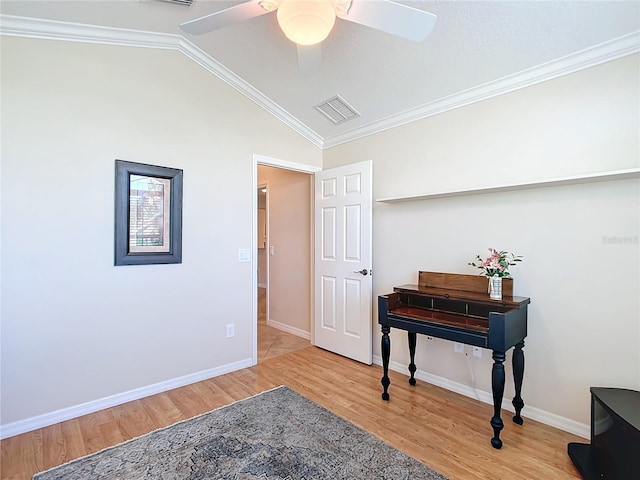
<point x="148" y="214"/>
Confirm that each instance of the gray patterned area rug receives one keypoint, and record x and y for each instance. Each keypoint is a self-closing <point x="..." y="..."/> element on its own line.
<point x="275" y="435"/>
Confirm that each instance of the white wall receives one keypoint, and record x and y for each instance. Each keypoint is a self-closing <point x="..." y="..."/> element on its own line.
<point x="584" y="317"/>
<point x="74" y="327"/>
<point x="290" y="236"/>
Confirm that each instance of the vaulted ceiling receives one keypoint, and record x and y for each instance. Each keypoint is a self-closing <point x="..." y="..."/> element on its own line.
<point x="478" y="49"/>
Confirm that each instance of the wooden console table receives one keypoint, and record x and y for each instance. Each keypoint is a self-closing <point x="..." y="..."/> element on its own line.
<point x="457" y="307"/>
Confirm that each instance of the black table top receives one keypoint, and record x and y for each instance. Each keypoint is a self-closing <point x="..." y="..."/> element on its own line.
<point x="624" y="403"/>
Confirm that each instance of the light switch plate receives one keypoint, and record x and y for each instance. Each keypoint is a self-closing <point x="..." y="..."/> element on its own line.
<point x="244" y="255"/>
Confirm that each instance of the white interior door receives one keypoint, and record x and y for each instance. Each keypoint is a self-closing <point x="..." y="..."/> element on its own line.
<point x="343" y="286"/>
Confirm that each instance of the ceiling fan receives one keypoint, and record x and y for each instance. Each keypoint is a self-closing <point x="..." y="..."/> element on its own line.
<point x="309" y="22"/>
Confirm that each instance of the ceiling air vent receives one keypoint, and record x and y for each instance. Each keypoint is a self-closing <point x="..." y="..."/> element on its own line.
<point x="337" y="110"/>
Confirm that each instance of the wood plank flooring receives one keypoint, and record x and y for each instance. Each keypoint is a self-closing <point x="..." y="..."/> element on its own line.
<point x="444" y="430"/>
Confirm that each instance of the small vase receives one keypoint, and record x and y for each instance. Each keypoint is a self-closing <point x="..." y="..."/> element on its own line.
<point x="495" y="288"/>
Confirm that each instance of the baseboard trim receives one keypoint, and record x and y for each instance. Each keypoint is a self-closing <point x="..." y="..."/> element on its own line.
<point x="289" y="329"/>
<point x="539" y="415"/>
<point x="47" y="419"/>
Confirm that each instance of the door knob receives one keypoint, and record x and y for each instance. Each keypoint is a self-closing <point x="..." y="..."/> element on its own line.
<point x="364" y="271"/>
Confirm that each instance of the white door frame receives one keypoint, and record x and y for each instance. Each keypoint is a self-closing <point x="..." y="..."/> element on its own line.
<point x="270" y="162"/>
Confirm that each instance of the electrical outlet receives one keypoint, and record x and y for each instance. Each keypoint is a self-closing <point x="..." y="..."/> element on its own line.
<point x="458" y="347"/>
<point x="231" y="330"/>
<point x="477" y="352"/>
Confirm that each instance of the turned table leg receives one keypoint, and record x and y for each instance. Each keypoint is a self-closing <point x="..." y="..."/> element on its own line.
<point x="497" y="385"/>
<point x="386" y="352"/>
<point x="518" y="374"/>
<point x="412" y="356"/>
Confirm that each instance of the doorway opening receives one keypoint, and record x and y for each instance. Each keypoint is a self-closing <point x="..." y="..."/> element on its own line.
<point x="283" y="257"/>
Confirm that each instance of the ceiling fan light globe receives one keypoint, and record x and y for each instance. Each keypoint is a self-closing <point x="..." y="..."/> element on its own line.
<point x="306" y="22"/>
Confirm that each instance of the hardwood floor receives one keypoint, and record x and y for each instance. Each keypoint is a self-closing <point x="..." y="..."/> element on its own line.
<point x="446" y="431"/>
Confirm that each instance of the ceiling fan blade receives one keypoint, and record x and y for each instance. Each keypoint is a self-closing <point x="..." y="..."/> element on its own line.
<point x="224" y="18"/>
<point x="394" y="18"/>
<point x="309" y="58"/>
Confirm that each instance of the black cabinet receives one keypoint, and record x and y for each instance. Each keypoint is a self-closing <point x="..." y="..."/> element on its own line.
<point x="614" y="451"/>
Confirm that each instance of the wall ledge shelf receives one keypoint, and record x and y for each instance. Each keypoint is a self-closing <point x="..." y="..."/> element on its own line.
<point x="573" y="180"/>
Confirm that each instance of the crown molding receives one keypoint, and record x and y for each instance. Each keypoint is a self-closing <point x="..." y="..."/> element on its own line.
<point x="590" y="57"/>
<point x="55" y="30"/>
<point x="15" y="26"/>
<point x="75" y="32"/>
<point x="207" y="62"/>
